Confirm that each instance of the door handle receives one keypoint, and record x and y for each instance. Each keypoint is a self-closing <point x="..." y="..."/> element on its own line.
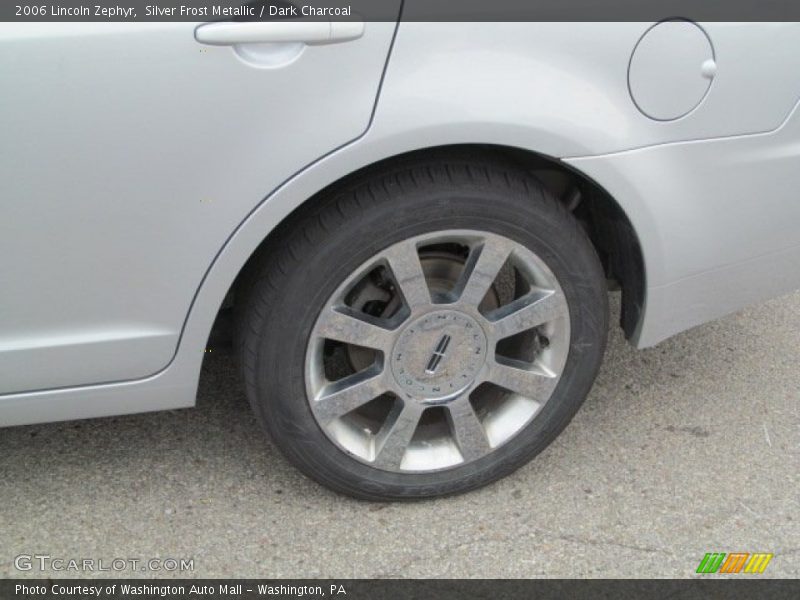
<point x="257" y="32"/>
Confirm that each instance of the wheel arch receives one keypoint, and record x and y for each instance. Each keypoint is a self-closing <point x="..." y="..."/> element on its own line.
<point x="607" y="224"/>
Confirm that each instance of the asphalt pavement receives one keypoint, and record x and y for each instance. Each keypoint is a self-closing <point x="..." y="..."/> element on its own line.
<point x="686" y="448"/>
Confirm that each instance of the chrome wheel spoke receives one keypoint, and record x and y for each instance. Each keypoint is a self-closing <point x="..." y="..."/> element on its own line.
<point x="482" y="268"/>
<point x="395" y="436"/>
<point x="467" y="429"/>
<point x="527" y="312"/>
<point x="346" y="395"/>
<point x="336" y="324"/>
<point x="406" y="267"/>
<point x="536" y="384"/>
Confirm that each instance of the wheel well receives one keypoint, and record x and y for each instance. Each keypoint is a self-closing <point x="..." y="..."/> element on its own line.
<point x="606" y="224"/>
<point x="603" y="219"/>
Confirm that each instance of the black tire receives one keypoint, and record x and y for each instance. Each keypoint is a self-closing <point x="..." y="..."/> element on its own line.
<point x="290" y="280"/>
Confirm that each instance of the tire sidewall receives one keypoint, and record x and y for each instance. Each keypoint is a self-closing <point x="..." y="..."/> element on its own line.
<point x="532" y="220"/>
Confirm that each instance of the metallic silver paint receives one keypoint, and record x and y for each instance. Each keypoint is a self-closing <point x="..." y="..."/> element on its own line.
<point x="136" y="153"/>
<point x="719" y="229"/>
<point x="124" y="170"/>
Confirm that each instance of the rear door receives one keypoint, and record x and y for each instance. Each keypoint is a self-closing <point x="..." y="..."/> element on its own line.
<point x="129" y="154"/>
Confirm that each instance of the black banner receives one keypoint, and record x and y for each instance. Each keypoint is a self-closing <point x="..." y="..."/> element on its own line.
<point x="413" y="10"/>
<point x="405" y="589"/>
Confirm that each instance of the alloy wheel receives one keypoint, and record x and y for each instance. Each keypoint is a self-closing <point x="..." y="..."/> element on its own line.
<point x="437" y="351"/>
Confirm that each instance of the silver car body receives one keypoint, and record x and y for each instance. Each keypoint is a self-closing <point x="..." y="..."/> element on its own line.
<point x="141" y="169"/>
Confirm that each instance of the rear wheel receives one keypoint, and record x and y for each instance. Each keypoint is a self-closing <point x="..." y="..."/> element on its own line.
<point x="425" y="331"/>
